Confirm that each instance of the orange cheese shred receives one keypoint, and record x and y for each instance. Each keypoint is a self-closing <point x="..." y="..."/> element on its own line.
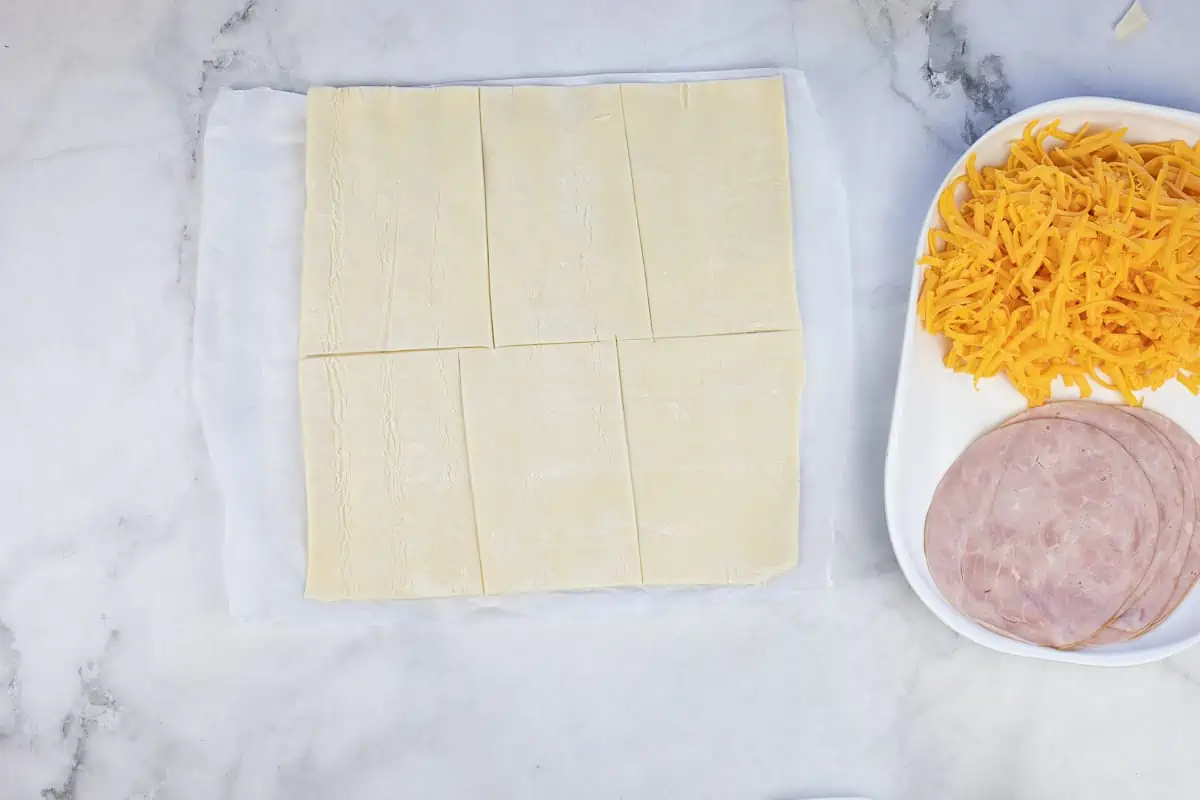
<point x="1077" y="260"/>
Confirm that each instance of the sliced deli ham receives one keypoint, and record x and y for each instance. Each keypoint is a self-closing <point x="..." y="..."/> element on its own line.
<point x="1176" y="512"/>
<point x="1188" y="451"/>
<point x="1043" y="530"/>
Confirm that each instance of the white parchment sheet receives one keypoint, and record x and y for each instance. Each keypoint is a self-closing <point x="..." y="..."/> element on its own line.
<point x="245" y="362"/>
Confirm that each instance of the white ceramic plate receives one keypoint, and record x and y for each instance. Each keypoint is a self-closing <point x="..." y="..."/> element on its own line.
<point x="938" y="412"/>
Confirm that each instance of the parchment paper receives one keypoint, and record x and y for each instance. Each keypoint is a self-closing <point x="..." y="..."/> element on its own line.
<point x="245" y="362"/>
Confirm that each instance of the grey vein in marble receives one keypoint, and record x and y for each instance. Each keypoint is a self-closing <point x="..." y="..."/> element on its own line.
<point x="950" y="62"/>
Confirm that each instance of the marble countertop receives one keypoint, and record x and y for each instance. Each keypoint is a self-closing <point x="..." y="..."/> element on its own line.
<point x="121" y="675"/>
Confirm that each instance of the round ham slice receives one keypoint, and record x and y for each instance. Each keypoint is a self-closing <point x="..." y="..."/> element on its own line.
<point x="1167" y="476"/>
<point x="1042" y="530"/>
<point x="1188" y="451"/>
<point x="1179" y="574"/>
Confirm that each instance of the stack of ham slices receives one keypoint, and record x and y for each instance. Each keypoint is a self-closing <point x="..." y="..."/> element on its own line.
<point x="1073" y="524"/>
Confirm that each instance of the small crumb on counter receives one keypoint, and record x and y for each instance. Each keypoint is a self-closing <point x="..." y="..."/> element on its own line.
<point x="1132" y="21"/>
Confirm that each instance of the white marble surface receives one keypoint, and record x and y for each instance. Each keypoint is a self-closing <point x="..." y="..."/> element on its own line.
<point x="124" y="676"/>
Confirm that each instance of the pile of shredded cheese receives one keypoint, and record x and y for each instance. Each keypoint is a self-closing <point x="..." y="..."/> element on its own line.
<point x="1078" y="259"/>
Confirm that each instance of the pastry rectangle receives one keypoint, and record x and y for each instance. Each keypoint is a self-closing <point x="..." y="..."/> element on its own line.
<point x="566" y="264"/>
<point x="390" y="513"/>
<point x="549" y="468"/>
<point x="713" y="429"/>
<point x="395" y="241"/>
<point x="710" y="175"/>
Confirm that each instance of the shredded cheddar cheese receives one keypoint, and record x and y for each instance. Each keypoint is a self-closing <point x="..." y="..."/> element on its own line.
<point x="1078" y="259"/>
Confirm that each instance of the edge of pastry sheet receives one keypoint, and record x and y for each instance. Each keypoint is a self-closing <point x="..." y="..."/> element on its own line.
<point x="245" y="361"/>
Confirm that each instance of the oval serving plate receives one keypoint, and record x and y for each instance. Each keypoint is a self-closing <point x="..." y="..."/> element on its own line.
<point x="937" y="412"/>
